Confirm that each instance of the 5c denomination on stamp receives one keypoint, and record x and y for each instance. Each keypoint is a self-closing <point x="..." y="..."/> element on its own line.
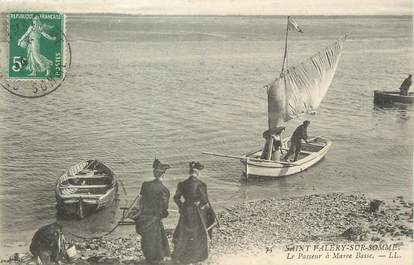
<point x="38" y="53"/>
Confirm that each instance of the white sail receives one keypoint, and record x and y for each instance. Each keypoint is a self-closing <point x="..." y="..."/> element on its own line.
<point x="300" y="89"/>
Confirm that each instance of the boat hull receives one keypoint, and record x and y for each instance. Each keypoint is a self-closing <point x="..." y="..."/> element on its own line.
<point x="78" y="208"/>
<point x="390" y="97"/>
<point x="76" y="201"/>
<point x="83" y="207"/>
<point x="251" y="166"/>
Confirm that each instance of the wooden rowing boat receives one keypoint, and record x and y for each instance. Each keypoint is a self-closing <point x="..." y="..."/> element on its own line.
<point x="391" y="97"/>
<point x="310" y="154"/>
<point x="85" y="188"/>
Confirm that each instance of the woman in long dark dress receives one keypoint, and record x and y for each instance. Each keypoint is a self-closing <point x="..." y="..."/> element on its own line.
<point x="154" y="207"/>
<point x="190" y="236"/>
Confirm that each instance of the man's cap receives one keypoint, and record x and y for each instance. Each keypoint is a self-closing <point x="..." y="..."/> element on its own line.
<point x="274" y="130"/>
<point x="306" y="122"/>
<point x="196" y="165"/>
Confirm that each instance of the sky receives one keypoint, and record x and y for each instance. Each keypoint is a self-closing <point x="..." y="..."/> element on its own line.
<point x="217" y="7"/>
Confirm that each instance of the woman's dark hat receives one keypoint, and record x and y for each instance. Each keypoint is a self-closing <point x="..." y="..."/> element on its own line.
<point x="196" y="165"/>
<point x="157" y="165"/>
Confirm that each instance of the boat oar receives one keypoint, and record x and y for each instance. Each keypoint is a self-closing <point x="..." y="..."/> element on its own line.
<point x="314" y="138"/>
<point x="128" y="210"/>
<point x="251" y="159"/>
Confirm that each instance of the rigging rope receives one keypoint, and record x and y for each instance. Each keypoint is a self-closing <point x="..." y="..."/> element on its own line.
<point x="97" y="237"/>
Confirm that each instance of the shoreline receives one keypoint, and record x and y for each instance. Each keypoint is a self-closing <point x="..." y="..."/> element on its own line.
<point x="269" y="225"/>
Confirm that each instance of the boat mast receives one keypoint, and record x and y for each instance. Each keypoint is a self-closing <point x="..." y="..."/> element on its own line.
<point x="282" y="75"/>
<point x="286" y="45"/>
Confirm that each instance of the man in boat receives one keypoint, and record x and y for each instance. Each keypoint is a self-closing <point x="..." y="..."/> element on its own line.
<point x="196" y="219"/>
<point x="273" y="141"/>
<point x="296" y="140"/>
<point x="48" y="244"/>
<point x="405" y="86"/>
<point x="154" y="207"/>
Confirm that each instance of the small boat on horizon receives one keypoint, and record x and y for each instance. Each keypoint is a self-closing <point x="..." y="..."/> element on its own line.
<point x="386" y="98"/>
<point x="85" y="188"/>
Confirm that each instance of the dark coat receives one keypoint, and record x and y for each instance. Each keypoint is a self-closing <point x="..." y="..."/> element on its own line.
<point x="405" y="86"/>
<point x="300" y="133"/>
<point x="48" y="239"/>
<point x="406" y="83"/>
<point x="155" y="198"/>
<point x="154" y="203"/>
<point x="190" y="236"/>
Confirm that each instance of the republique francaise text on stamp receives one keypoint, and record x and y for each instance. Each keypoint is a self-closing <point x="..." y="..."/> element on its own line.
<point x="38" y="53"/>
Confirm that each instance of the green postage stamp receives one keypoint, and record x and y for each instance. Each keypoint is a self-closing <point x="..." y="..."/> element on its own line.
<point x="36" y="45"/>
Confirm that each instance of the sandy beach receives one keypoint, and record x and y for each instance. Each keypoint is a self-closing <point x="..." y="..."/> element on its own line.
<point x="270" y="229"/>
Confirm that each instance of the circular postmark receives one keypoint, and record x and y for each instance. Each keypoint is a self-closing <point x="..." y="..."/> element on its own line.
<point x="38" y="54"/>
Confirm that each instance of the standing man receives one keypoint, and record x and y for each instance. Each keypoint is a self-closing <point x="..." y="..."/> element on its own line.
<point x="296" y="140"/>
<point x="190" y="236"/>
<point x="154" y="207"/>
<point x="405" y="86"/>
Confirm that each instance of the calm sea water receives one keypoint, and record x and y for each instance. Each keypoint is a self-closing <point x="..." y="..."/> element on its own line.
<point x="173" y="87"/>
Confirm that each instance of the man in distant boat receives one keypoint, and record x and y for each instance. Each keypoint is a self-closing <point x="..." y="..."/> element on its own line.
<point x="405" y="86"/>
<point x="301" y="133"/>
<point x="196" y="219"/>
<point x="154" y="207"/>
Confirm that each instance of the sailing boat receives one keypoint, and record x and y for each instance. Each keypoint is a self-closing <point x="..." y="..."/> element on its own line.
<point x="298" y="90"/>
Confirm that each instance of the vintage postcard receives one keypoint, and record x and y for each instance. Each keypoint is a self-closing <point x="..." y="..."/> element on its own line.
<point x="206" y="132"/>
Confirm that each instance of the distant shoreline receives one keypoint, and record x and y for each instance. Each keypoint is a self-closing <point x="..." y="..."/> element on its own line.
<point x="408" y="16"/>
<point x="253" y="16"/>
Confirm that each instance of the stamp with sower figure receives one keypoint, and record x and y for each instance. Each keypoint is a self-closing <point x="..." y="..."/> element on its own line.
<point x="38" y="53"/>
<point x="35" y="46"/>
